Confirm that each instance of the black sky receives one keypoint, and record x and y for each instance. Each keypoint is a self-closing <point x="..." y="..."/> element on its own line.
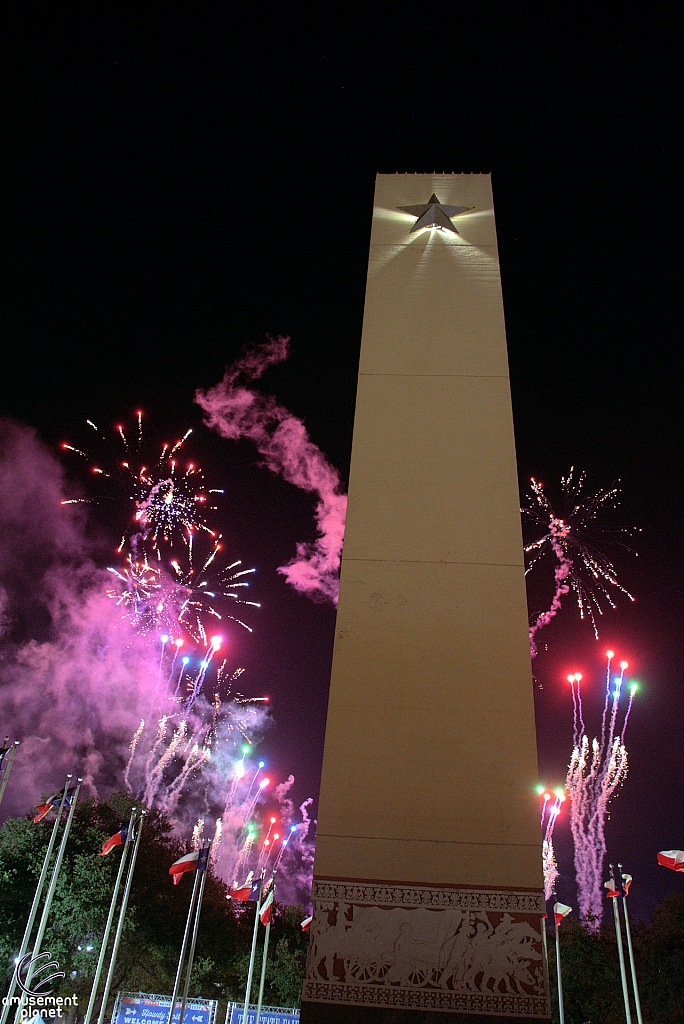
<point x="175" y="190"/>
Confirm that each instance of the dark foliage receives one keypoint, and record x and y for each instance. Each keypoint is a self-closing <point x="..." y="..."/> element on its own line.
<point x="156" y="918"/>
<point x="158" y="909"/>
<point x="592" y="987"/>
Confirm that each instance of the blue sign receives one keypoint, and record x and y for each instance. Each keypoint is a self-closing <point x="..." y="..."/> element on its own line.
<point x="143" y="1008"/>
<point x="269" y="1015"/>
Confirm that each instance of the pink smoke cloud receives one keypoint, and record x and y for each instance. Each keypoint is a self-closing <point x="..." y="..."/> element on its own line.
<point x="296" y="874"/>
<point x="79" y="687"/>
<point x="73" y="680"/>
<point x="235" y="411"/>
<point x="76" y="678"/>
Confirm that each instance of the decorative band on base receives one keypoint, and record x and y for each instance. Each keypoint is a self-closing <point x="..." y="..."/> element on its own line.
<point x="466" y="950"/>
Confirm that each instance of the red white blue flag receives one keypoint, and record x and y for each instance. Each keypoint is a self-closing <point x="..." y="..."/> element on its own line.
<point x="183" y="864"/>
<point x="116" y="840"/>
<point x="560" y="910"/>
<point x="53" y="801"/>
<point x="267" y="909"/>
<point x="203" y="859"/>
<point x="195" y="861"/>
<point x="673" y="859"/>
<point x="610" y="886"/>
<point x="240" y="892"/>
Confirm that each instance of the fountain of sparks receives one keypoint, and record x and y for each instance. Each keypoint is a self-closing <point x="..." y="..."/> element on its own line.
<point x="597" y="769"/>
<point x="550" y="809"/>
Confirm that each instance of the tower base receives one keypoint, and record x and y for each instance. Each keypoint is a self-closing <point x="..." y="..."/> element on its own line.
<point x="384" y="952"/>
<point x="322" y="1013"/>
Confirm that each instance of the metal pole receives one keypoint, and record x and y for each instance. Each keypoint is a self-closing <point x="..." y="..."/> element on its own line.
<point x="545" y="944"/>
<point x="561" y="1009"/>
<point x="110" y="918"/>
<point x="8" y="767"/>
<point x="195" y="929"/>
<point x="248" y="990"/>
<point x="36" y="901"/>
<point x="637" y="1001"/>
<point x="120" y="924"/>
<point x="184" y="946"/>
<point x="53" y="885"/>
<point x="621" y="954"/>
<point x="263" y="966"/>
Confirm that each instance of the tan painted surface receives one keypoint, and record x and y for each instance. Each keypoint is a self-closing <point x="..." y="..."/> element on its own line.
<point x="430" y="755"/>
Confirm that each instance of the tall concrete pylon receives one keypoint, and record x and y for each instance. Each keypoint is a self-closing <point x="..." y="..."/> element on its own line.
<point x="427" y="888"/>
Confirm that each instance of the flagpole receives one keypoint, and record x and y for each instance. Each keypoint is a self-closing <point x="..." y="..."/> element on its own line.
<point x="122" y="915"/>
<point x="621" y="952"/>
<point x="53" y="885"/>
<point x="110" y="918"/>
<point x="184" y="946"/>
<point x="36" y="900"/>
<point x="637" y="1001"/>
<point x="545" y="943"/>
<point x="195" y="929"/>
<point x="263" y="964"/>
<point x="8" y="767"/>
<point x="561" y="1009"/>
<point x="248" y="990"/>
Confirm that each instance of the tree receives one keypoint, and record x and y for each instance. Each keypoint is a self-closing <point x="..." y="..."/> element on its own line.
<point x="157" y="909"/>
<point x="286" y="960"/>
<point x="592" y="987"/>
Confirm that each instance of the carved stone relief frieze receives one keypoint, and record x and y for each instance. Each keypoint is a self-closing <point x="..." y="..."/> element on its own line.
<point x="430" y="948"/>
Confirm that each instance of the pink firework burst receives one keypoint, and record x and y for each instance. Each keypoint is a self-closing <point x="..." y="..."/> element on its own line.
<point x="567" y="534"/>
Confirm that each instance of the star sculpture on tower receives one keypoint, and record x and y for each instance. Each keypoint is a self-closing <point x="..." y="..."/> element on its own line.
<point x="434" y="214"/>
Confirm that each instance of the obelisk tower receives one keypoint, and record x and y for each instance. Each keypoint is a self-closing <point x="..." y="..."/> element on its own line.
<point x="427" y="879"/>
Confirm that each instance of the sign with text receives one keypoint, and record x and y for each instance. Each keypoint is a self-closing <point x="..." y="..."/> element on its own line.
<point x="146" y="1008"/>
<point x="269" y="1015"/>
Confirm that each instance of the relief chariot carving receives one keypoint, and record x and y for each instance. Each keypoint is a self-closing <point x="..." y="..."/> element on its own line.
<point x="423" y="955"/>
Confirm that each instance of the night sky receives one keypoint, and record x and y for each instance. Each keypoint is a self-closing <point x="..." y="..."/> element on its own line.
<point x="174" y="192"/>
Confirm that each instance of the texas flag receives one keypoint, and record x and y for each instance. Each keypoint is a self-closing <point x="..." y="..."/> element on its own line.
<point x="53" y="801"/>
<point x="255" y="891"/>
<point x="306" y="923"/>
<point x="626" y="882"/>
<point x="610" y="886"/>
<point x="560" y="910"/>
<point x="195" y="861"/>
<point x="183" y="864"/>
<point x="241" y="892"/>
<point x="249" y="890"/>
<point x="267" y="909"/>
<point x="115" y="840"/>
<point x="673" y="859"/>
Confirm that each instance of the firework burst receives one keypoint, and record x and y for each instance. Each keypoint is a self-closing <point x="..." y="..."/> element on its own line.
<point x="566" y="535"/>
<point x="159" y="586"/>
<point x="179" y="599"/>
<point x="200" y="591"/>
<point x="168" y="501"/>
